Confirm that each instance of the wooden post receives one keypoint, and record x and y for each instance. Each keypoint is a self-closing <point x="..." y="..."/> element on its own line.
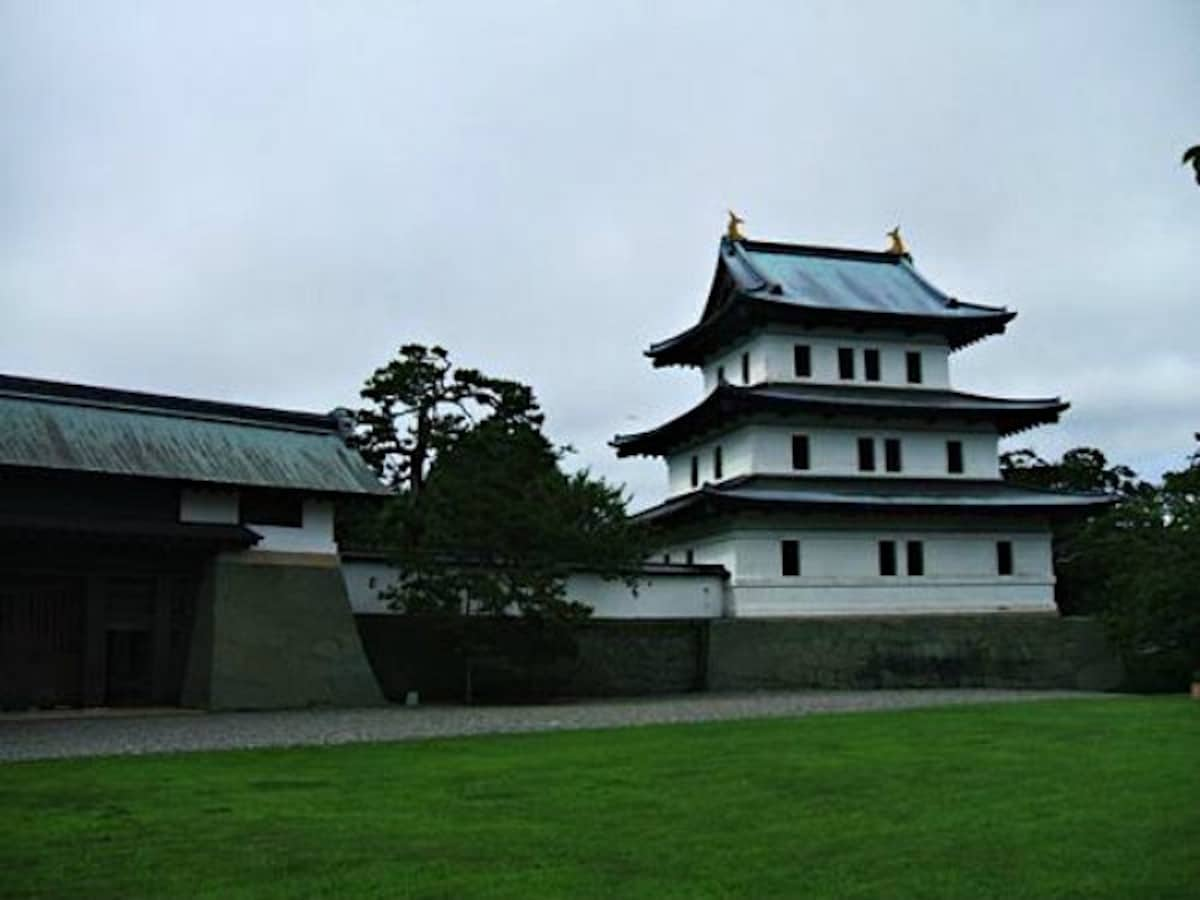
<point x="160" y="672"/>
<point x="95" y="642"/>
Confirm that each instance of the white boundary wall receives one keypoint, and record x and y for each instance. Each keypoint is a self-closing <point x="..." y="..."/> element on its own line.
<point x="686" y="595"/>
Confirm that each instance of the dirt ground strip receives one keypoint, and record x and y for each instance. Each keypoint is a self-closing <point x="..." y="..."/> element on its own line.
<point x="101" y="733"/>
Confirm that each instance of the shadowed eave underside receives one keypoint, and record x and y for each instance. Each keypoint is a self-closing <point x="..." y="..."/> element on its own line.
<point x="908" y="495"/>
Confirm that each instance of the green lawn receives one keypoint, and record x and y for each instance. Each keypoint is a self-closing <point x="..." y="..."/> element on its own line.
<point x="1078" y="798"/>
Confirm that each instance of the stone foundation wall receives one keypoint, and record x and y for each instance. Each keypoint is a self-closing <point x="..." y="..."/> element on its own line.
<point x="622" y="658"/>
<point x="612" y="659"/>
<point x="273" y="632"/>
<point x="1014" y="651"/>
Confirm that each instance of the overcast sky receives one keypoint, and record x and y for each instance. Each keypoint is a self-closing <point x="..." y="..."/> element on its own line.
<point x="260" y="202"/>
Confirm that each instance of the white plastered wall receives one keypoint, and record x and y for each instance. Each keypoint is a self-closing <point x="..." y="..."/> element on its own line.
<point x="839" y="567"/>
<point x="220" y="506"/>
<point x="772" y="359"/>
<point x="314" y="536"/>
<point x="736" y="459"/>
<point x="833" y="452"/>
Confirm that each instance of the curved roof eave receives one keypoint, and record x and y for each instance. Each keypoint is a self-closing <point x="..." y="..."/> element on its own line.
<point x="727" y="404"/>
<point x="746" y="311"/>
<point x="816" y="494"/>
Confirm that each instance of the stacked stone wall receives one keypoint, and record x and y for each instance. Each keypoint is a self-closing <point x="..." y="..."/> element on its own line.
<point x="632" y="658"/>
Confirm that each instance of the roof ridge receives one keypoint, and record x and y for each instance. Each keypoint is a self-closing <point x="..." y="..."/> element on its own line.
<point x="880" y="256"/>
<point x="76" y="394"/>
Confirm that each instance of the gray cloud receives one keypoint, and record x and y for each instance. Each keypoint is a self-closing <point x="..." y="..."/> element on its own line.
<point x="261" y="202"/>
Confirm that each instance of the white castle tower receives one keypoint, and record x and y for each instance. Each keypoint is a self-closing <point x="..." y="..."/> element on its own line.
<point x="830" y="466"/>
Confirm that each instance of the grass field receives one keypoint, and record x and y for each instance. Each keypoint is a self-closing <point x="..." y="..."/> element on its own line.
<point x="1079" y="798"/>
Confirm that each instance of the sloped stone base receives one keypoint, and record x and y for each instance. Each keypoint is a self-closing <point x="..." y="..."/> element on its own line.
<point x="276" y="632"/>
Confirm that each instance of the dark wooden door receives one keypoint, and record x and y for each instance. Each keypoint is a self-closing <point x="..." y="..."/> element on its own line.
<point x="41" y="640"/>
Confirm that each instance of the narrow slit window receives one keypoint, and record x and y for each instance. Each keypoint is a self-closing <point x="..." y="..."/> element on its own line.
<point x="887" y="557"/>
<point x="802" y="360"/>
<point x="1004" y="557"/>
<point x="745" y="368"/>
<point x="695" y="471"/>
<point x="912" y="365"/>
<point x="690" y="557"/>
<point x="954" y="457"/>
<point x="800" y="458"/>
<point x="915" y="551"/>
<point x="871" y="364"/>
<point x="789" y="557"/>
<point x="720" y="374"/>
<point x="281" y="509"/>
<point x="846" y="363"/>
<point x="866" y="454"/>
<point x="718" y="468"/>
<point x="891" y="455"/>
<point x="667" y="558"/>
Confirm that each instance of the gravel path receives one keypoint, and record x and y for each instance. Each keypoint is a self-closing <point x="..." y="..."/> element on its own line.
<point x="43" y="736"/>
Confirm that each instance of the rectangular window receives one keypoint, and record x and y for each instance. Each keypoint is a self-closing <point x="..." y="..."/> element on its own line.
<point x="282" y="509"/>
<point x="912" y="363"/>
<point x="845" y="363"/>
<point x="695" y="471"/>
<point x="717" y="467"/>
<point x="887" y="557"/>
<point x="802" y="359"/>
<point x="866" y="455"/>
<point x="720" y="374"/>
<point x="690" y="557"/>
<point x="1004" y="558"/>
<point x="799" y="451"/>
<point x="667" y="558"/>
<point x="891" y="454"/>
<point x="745" y="368"/>
<point x="954" y="457"/>
<point x="871" y="364"/>
<point x="916" y="557"/>
<point x="789" y="557"/>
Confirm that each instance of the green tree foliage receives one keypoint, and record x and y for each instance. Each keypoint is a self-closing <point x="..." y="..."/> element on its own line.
<point x="419" y="404"/>
<point x="499" y="526"/>
<point x="1082" y="469"/>
<point x="1137" y="564"/>
<point x="1152" y="549"/>
<point x="1080" y="588"/>
<point x="485" y="526"/>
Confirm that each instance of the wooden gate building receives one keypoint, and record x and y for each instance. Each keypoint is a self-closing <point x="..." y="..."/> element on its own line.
<point x="162" y="550"/>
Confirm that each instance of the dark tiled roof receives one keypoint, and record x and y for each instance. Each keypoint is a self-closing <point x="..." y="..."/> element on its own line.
<point x="898" y="494"/>
<point x="71" y="427"/>
<point x="728" y="403"/>
<point x="759" y="283"/>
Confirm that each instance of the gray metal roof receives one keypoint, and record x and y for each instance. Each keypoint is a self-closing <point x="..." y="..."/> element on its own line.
<point x="758" y="283"/>
<point x="908" y="494"/>
<point x="848" y="280"/>
<point x="51" y="425"/>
